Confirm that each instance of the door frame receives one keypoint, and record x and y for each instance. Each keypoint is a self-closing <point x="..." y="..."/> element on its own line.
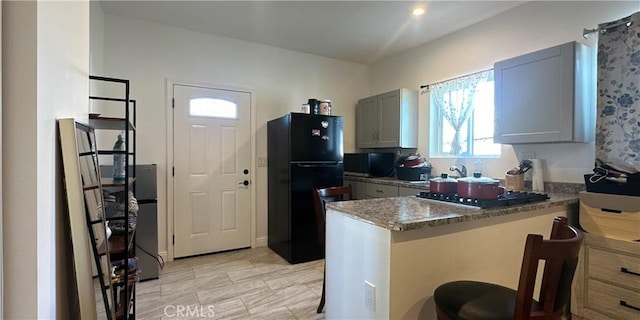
<point x="169" y="169"/>
<point x="1" y="218"/>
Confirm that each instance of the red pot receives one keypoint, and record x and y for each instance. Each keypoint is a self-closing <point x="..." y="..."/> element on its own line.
<point x="413" y="161"/>
<point x="443" y="185"/>
<point x="478" y="187"/>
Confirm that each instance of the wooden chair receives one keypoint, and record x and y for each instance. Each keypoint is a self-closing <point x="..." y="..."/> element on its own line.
<point x="480" y="300"/>
<point x="320" y="199"/>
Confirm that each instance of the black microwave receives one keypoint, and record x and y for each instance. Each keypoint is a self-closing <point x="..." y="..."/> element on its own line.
<point x="370" y="164"/>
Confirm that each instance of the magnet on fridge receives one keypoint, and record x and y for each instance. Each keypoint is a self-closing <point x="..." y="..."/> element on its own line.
<point x="315" y="132"/>
<point x="325" y="124"/>
<point x="325" y="138"/>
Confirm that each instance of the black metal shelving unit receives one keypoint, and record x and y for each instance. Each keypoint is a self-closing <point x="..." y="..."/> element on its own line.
<point x="120" y="246"/>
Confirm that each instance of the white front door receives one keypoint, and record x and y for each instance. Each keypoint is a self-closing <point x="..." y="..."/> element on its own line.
<point x="212" y="155"/>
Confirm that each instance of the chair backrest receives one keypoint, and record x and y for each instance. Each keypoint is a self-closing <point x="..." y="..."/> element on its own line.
<point x="560" y="253"/>
<point x="320" y="199"/>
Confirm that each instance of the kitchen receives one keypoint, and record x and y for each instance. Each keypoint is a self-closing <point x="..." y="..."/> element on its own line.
<point x="282" y="79"/>
<point x="281" y="82"/>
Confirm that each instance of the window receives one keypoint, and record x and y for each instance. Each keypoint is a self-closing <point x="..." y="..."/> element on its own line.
<point x="215" y="108"/>
<point x="462" y="117"/>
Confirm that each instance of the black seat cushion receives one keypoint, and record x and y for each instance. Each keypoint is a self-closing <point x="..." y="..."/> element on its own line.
<point x="474" y="300"/>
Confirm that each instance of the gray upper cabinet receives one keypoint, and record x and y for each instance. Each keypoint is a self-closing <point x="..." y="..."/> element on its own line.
<point x="388" y="120"/>
<point x="546" y="96"/>
<point x="367" y="120"/>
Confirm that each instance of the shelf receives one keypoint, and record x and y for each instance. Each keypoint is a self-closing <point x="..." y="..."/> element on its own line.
<point x="87" y="188"/>
<point x="120" y="313"/>
<point x="109" y="183"/>
<point x="108" y="123"/>
<point x="109" y="99"/>
<point x="116" y="219"/>
<point x="125" y="281"/>
<point x="119" y="245"/>
<point x="116" y="243"/>
<point x="112" y="152"/>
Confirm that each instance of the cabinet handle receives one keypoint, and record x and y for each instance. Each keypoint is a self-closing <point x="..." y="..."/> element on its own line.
<point x="379" y="191"/>
<point x="625" y="270"/>
<point x="625" y="304"/>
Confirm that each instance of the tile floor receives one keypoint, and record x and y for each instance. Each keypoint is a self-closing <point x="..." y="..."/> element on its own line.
<point x="241" y="284"/>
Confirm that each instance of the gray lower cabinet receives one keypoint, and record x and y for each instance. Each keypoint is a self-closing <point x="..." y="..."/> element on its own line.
<point x="369" y="190"/>
<point x="376" y="190"/>
<point x="407" y="192"/>
<point x="357" y="188"/>
<point x="546" y="96"/>
<point x="388" y="120"/>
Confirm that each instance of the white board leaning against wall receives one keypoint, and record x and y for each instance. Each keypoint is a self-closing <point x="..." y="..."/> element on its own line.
<point x="1" y="233"/>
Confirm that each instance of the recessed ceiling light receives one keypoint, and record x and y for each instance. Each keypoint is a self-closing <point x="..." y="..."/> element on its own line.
<point x="418" y="11"/>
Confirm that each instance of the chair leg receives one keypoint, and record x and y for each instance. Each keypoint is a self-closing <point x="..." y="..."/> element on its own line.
<point x="321" y="306"/>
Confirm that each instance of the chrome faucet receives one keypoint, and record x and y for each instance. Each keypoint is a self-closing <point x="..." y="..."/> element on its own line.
<point x="461" y="169"/>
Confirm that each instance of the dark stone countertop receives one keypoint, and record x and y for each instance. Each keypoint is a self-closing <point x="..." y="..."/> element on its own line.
<point x="411" y="213"/>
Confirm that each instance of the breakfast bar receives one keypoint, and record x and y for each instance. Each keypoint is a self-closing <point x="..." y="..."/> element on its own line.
<point x="385" y="257"/>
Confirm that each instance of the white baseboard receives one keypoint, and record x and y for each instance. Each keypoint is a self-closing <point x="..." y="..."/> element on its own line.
<point x="164" y="255"/>
<point x="261" y="242"/>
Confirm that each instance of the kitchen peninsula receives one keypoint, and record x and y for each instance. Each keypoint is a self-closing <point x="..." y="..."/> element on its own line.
<point x="404" y="247"/>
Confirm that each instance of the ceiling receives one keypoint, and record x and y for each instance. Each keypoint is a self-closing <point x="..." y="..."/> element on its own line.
<point x="356" y="31"/>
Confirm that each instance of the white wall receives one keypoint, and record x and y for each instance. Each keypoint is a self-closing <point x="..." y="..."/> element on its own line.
<point x="45" y="76"/>
<point x="96" y="42"/>
<point x="148" y="54"/>
<point x="19" y="104"/>
<point x="1" y="232"/>
<point x="530" y="27"/>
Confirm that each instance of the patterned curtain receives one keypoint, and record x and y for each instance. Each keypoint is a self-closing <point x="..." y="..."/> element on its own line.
<point x="454" y="99"/>
<point x="618" y="121"/>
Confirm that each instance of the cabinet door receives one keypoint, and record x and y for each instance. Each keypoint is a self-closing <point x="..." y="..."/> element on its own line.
<point x="534" y="96"/>
<point x="408" y="192"/>
<point x="376" y="190"/>
<point x="389" y="122"/>
<point x="367" y="119"/>
<point x="357" y="188"/>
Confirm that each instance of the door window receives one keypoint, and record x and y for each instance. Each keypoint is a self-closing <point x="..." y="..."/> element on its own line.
<point x="213" y="108"/>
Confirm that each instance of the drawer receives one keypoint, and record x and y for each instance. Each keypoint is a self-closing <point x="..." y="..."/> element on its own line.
<point x="608" y="265"/>
<point x="406" y="191"/>
<point x="610" y="215"/>
<point x="374" y="190"/>
<point x="606" y="299"/>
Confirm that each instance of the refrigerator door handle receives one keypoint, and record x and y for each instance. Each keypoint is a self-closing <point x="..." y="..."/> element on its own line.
<point x="319" y="164"/>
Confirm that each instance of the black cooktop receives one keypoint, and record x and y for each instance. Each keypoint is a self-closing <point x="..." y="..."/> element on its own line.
<point x="508" y="199"/>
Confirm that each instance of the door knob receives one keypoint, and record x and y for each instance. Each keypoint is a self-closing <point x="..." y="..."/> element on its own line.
<point x="245" y="183"/>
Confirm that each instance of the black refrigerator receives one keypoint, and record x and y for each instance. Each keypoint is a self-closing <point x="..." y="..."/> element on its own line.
<point x="304" y="151"/>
